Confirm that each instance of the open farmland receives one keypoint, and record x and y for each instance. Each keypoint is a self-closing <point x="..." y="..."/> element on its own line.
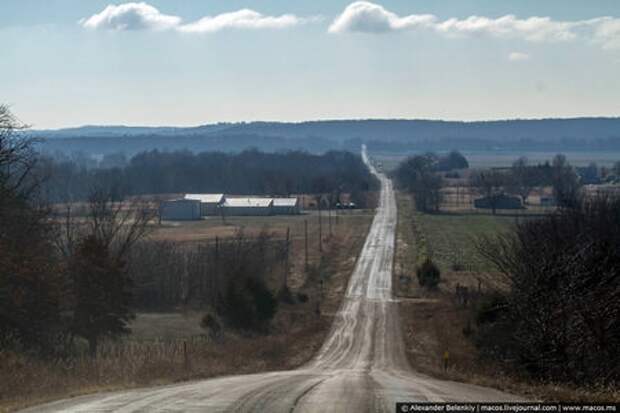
<point x="166" y="347"/>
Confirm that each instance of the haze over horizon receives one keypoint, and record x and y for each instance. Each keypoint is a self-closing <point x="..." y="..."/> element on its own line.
<point x="72" y="63"/>
<point x="306" y="121"/>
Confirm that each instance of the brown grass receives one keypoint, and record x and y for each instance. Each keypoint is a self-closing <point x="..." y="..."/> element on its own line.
<point x="155" y="353"/>
<point x="27" y="381"/>
<point x="432" y="327"/>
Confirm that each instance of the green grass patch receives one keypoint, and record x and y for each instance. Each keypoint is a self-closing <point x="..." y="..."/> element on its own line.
<point x="450" y="239"/>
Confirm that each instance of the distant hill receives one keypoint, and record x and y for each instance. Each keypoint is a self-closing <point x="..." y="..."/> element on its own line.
<point x="89" y="131"/>
<point x="420" y="130"/>
<point x="395" y="135"/>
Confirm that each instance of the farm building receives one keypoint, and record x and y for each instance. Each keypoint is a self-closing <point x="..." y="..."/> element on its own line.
<point x="180" y="210"/>
<point x="248" y="206"/>
<point x="504" y="202"/>
<point x="286" y="206"/>
<point x="209" y="203"/>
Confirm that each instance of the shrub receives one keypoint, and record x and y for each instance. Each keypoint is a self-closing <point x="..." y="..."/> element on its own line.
<point x="428" y="274"/>
<point x="210" y="323"/>
<point x="285" y="295"/>
<point x="561" y="310"/>
<point x="457" y="266"/>
<point x="248" y="304"/>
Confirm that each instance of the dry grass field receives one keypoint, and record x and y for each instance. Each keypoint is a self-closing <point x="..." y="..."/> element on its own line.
<point x="435" y="322"/>
<point x="171" y="347"/>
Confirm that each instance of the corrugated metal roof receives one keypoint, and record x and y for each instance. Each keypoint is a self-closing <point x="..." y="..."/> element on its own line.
<point x="285" y="202"/>
<point x="248" y="202"/>
<point x="206" y="198"/>
<point x="182" y="200"/>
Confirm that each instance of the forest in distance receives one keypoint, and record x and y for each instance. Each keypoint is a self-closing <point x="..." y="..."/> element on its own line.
<point x="251" y="172"/>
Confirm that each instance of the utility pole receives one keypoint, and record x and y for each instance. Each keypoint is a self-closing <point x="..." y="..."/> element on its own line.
<point x="288" y="232"/>
<point x="217" y="272"/>
<point x="320" y="229"/>
<point x="329" y="217"/>
<point x="306" y="242"/>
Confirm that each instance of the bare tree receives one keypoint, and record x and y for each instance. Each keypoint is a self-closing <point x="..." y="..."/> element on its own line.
<point x="418" y="175"/>
<point x="17" y="156"/>
<point x="30" y="281"/>
<point x="565" y="182"/>
<point x="524" y="178"/>
<point x="491" y="185"/>
<point x="96" y="248"/>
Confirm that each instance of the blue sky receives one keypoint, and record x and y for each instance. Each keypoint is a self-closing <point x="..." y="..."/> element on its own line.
<point x="163" y="62"/>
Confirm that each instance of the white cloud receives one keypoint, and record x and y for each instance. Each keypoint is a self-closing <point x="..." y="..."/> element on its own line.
<point x="607" y="32"/>
<point x="242" y="19"/>
<point x="533" y="28"/>
<point x="518" y="56"/>
<point x="366" y="17"/>
<point x="143" y="16"/>
<point x="363" y="16"/>
<point x="131" y="16"/>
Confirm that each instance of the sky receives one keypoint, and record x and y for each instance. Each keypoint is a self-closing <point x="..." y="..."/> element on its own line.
<point x="189" y="62"/>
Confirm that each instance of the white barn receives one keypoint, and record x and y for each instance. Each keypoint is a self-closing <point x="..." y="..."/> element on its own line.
<point x="209" y="203"/>
<point x="249" y="206"/>
<point x="180" y="210"/>
<point x="286" y="206"/>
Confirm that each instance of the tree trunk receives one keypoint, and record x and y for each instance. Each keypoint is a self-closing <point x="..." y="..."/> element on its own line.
<point x="92" y="346"/>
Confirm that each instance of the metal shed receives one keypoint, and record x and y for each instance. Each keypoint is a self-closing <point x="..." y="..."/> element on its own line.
<point x="250" y="206"/>
<point x="286" y="206"/>
<point x="180" y="210"/>
<point x="209" y="203"/>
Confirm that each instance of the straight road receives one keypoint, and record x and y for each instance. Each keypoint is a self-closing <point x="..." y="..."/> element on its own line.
<point x="361" y="367"/>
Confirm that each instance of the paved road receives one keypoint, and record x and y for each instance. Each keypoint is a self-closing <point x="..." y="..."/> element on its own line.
<point x="361" y="367"/>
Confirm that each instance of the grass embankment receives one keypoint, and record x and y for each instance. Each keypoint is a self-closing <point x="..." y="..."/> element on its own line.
<point x="434" y="322"/>
<point x="167" y="348"/>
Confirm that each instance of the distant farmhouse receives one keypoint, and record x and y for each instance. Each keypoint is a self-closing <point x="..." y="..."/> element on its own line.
<point x="196" y="206"/>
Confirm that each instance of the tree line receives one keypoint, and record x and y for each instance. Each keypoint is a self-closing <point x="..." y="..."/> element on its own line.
<point x="423" y="176"/>
<point x="248" y="172"/>
<point x="420" y="175"/>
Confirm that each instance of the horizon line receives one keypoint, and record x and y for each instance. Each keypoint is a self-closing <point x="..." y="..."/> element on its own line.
<point x="326" y="120"/>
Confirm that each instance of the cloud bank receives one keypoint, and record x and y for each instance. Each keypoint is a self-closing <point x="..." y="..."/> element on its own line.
<point x="143" y="16"/>
<point x="366" y="17"/>
<point x="242" y="19"/>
